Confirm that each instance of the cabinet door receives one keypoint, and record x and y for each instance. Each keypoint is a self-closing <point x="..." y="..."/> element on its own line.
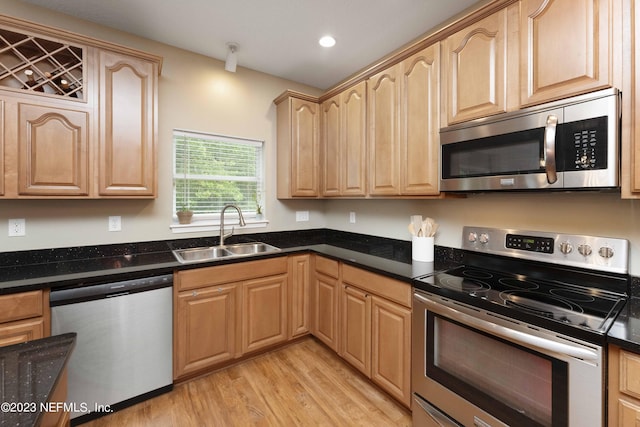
<point x="21" y="331"/>
<point x="53" y="151"/>
<point x="474" y="70"/>
<point x="354" y="140"/>
<point x="264" y="312"/>
<point x="128" y="104"/>
<point x="356" y="329"/>
<point x="204" y="328"/>
<point x="420" y="136"/>
<point x="326" y="292"/>
<point x="299" y="299"/>
<point x="2" y="145"/>
<point x="331" y="147"/>
<point x="304" y="148"/>
<point x="391" y="348"/>
<point x="383" y="109"/>
<point x="564" y="48"/>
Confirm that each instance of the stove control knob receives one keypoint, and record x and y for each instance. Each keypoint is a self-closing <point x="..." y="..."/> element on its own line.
<point x="606" y="252"/>
<point x="472" y="237"/>
<point x="585" y="250"/>
<point x="484" y="238"/>
<point x="566" y="247"/>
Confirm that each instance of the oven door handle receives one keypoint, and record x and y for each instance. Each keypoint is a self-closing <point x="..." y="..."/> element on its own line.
<point x="550" y="149"/>
<point x="512" y="335"/>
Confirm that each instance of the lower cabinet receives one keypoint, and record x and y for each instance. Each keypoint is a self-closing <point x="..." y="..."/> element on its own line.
<point x="24" y="316"/>
<point x="224" y="312"/>
<point x="376" y="331"/>
<point x="264" y="312"/>
<point x="324" y="301"/>
<point x="624" y="388"/>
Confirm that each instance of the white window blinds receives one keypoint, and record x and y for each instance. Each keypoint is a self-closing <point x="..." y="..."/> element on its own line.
<point x="212" y="170"/>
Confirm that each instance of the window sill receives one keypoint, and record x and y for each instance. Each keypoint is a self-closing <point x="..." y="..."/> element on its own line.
<point x="204" y="225"/>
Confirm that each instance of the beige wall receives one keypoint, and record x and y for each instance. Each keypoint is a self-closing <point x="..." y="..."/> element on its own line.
<point x="197" y="94"/>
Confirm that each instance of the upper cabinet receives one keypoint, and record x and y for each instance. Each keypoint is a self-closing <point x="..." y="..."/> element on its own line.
<point x="564" y="48"/>
<point x="128" y="99"/>
<point x="78" y="116"/>
<point x="419" y="125"/>
<point x="383" y="110"/>
<point x="298" y="145"/>
<point x="343" y="143"/>
<point x="477" y="64"/>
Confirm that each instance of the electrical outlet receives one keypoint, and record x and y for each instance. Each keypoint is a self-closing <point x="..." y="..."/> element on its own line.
<point x="352" y="217"/>
<point x="115" y="223"/>
<point x="17" y="227"/>
<point x="302" y="216"/>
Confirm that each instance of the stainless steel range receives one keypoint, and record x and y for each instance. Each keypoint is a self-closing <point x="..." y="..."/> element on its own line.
<point x="516" y="335"/>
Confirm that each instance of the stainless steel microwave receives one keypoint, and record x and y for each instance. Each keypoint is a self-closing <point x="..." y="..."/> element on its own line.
<point x="568" y="144"/>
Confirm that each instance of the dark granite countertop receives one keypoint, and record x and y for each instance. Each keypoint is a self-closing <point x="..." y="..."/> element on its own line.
<point x="625" y="331"/>
<point x="30" y="374"/>
<point x="28" y="270"/>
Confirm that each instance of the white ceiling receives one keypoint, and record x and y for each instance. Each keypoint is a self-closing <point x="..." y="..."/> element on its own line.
<point x="278" y="37"/>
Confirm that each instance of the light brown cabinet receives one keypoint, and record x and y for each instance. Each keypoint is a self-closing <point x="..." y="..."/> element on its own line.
<point x="24" y="316"/>
<point x="224" y="312"/>
<point x="128" y="123"/>
<point x="564" y="48"/>
<point x="624" y="388"/>
<point x="53" y="150"/>
<point x="343" y="136"/>
<point x="86" y="127"/>
<point x="420" y="123"/>
<point x="298" y="147"/>
<point x="264" y="312"/>
<point x="325" y="293"/>
<point x="299" y="289"/>
<point x="476" y="67"/>
<point x="205" y="328"/>
<point x="383" y="138"/>
<point x="376" y="329"/>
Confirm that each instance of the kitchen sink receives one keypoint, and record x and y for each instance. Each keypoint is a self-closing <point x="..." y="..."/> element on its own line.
<point x="251" y="248"/>
<point x="212" y="253"/>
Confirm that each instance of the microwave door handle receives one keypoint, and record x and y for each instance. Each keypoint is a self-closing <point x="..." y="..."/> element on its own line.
<point x="550" y="149"/>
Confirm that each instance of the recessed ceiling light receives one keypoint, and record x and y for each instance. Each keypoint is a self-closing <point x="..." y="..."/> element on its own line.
<point x="327" y="41"/>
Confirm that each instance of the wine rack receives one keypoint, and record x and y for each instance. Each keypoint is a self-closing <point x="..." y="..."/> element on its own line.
<point x="35" y="64"/>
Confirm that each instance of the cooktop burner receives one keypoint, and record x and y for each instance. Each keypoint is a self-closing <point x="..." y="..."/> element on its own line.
<point x="564" y="280"/>
<point x="582" y="308"/>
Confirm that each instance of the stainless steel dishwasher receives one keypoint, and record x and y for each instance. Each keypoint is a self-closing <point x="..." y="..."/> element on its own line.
<point x="123" y="352"/>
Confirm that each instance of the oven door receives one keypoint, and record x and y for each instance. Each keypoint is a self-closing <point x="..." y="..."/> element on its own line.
<point x="483" y="370"/>
<point x="513" y="154"/>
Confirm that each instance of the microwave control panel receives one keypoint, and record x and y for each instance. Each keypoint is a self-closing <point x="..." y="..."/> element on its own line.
<point x="586" y="144"/>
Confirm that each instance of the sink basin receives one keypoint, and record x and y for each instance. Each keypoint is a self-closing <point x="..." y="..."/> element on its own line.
<point x="212" y="253"/>
<point x="251" y="248"/>
<point x="201" y="254"/>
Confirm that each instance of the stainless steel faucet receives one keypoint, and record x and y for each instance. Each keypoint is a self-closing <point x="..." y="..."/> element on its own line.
<point x="242" y="222"/>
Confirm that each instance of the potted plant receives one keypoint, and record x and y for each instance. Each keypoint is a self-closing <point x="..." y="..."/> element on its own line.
<point x="258" y="201"/>
<point x="184" y="215"/>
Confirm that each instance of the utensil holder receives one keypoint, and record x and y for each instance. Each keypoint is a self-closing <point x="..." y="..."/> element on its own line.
<point x="422" y="249"/>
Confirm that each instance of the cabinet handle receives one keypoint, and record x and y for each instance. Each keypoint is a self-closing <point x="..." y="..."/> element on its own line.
<point x="194" y="293"/>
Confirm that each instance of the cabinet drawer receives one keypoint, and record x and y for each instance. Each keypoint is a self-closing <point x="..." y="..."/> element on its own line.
<point x="630" y="374"/>
<point x="21" y="331"/>
<point x="391" y="289"/>
<point x="21" y="306"/>
<point x="229" y="273"/>
<point x="327" y="266"/>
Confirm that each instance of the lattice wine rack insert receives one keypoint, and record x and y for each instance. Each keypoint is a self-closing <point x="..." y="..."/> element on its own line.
<point x="39" y="65"/>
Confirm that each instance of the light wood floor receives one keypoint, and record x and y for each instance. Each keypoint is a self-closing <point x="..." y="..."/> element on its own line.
<point x="304" y="384"/>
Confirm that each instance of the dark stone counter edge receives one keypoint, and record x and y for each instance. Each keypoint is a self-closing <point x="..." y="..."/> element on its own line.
<point x="56" y="351"/>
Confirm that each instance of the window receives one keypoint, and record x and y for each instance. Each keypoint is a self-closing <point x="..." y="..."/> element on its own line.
<point x="211" y="171"/>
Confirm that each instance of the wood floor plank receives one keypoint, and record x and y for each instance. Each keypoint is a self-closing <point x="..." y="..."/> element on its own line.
<point x="304" y="384"/>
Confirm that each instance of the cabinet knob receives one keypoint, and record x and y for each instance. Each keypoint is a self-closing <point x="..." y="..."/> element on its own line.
<point x="194" y="293"/>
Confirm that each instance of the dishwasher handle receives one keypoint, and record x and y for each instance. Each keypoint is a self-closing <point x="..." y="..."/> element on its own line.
<point x="108" y="290"/>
